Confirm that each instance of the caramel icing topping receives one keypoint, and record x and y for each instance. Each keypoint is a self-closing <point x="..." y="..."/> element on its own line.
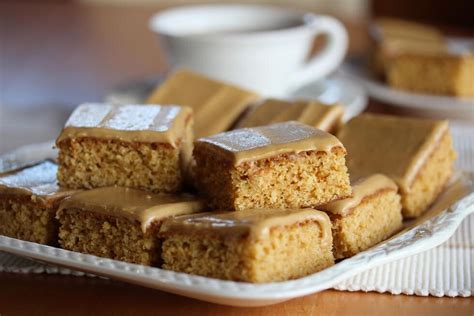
<point x="256" y="143"/>
<point x="363" y="188"/>
<point x="389" y="28"/>
<point x="255" y="222"/>
<point x="133" y="204"/>
<point x="410" y="38"/>
<point x="142" y="123"/>
<point x="216" y="105"/>
<point x="311" y="113"/>
<point x="397" y="147"/>
<point x="39" y="180"/>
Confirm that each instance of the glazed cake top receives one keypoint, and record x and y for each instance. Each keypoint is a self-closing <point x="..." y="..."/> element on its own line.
<point x="141" y="123"/>
<point x="133" y="204"/>
<point x="256" y="143"/>
<point x="384" y="28"/>
<point x="308" y="112"/>
<point x="361" y="189"/>
<point x="216" y="105"/>
<point x="254" y="222"/>
<point x="38" y="180"/>
<point x="415" y="39"/>
<point x="395" y="146"/>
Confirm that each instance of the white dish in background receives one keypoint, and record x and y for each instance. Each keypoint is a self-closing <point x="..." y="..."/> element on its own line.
<point x="260" y="47"/>
<point x="429" y="105"/>
<point x="335" y="89"/>
<point x="432" y="229"/>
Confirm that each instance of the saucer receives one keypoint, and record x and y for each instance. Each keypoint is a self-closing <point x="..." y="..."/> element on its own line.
<point x="334" y="89"/>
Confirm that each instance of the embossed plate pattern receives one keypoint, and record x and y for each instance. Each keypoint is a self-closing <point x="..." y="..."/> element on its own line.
<point x="435" y="227"/>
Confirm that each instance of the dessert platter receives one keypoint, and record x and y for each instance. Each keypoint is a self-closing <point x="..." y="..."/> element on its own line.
<point x="418" y="69"/>
<point x="210" y="191"/>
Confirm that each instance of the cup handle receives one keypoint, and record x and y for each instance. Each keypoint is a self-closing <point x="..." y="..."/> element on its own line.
<point x="330" y="56"/>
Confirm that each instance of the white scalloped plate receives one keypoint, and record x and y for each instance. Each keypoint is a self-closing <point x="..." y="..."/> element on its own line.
<point x="435" y="227"/>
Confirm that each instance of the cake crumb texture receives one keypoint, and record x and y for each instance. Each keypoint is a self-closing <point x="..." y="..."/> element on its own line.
<point x="108" y="236"/>
<point x="444" y="75"/>
<point x="431" y="179"/>
<point x="306" y="179"/>
<point x="25" y="218"/>
<point x="374" y="220"/>
<point x="287" y="252"/>
<point x="86" y="163"/>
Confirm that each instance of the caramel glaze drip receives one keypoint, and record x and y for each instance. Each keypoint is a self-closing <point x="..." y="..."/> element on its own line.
<point x="134" y="123"/>
<point x="132" y="204"/>
<point x="254" y="222"/>
<point x="313" y="113"/>
<point x="256" y="143"/>
<point x="362" y="189"/>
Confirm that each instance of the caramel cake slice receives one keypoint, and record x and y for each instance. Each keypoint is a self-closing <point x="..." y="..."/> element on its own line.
<point x="416" y="153"/>
<point x="119" y="223"/>
<point x="145" y="147"/>
<point x="325" y="117"/>
<point x="283" y="165"/>
<point x="445" y="73"/>
<point x="371" y="215"/>
<point x="391" y="37"/>
<point x="251" y="246"/>
<point x="416" y="57"/>
<point x="216" y="105"/>
<point x="29" y="199"/>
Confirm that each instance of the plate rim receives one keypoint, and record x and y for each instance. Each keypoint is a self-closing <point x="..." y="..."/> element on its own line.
<point x="239" y="293"/>
<point x="424" y="236"/>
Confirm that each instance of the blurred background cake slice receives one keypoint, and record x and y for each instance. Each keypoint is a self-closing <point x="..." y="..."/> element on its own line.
<point x="416" y="153"/>
<point x="216" y="105"/>
<point x="251" y="246"/>
<point x="120" y="223"/>
<point x="372" y="214"/>
<point x="443" y="73"/>
<point x="416" y="57"/>
<point x="283" y="165"/>
<point x="391" y="37"/>
<point x="145" y="147"/>
<point x="325" y="117"/>
<point x="29" y="199"/>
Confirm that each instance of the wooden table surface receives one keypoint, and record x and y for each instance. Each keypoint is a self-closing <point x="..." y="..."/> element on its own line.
<point x="57" y="54"/>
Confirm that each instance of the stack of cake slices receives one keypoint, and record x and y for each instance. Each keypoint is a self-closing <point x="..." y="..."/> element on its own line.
<point x="275" y="199"/>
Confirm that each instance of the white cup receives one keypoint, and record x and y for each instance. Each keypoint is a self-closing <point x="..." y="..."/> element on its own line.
<point x="260" y="47"/>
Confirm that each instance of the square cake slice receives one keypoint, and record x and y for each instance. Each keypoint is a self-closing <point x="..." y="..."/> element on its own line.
<point x="146" y="147"/>
<point x="390" y="37"/>
<point x="416" y="153"/>
<point x="444" y="73"/>
<point x="119" y="223"/>
<point x="29" y="199"/>
<point x="325" y="117"/>
<point x="417" y="57"/>
<point x="216" y="105"/>
<point x="283" y="165"/>
<point x="250" y="246"/>
<point x="371" y="215"/>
